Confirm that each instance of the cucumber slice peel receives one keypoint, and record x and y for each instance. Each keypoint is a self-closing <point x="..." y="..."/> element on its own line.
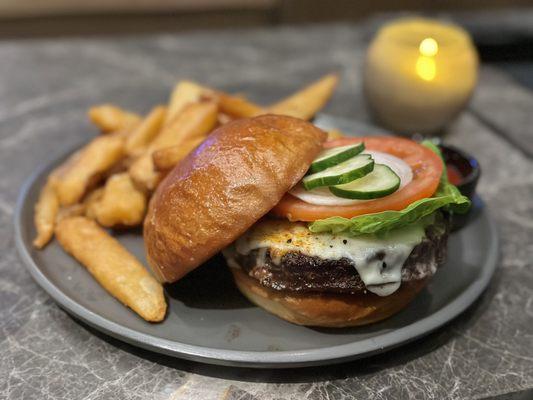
<point x="334" y="156"/>
<point x="347" y="171"/>
<point x="381" y="182"/>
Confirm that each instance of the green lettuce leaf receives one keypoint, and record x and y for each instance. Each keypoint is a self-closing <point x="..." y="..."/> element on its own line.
<point x="447" y="197"/>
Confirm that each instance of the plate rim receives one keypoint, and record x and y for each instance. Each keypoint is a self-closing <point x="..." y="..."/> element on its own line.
<point x="257" y="359"/>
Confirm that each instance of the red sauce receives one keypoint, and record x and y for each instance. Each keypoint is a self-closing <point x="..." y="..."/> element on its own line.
<point x="454" y="176"/>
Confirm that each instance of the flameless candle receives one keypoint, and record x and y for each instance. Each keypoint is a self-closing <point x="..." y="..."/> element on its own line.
<point x="419" y="74"/>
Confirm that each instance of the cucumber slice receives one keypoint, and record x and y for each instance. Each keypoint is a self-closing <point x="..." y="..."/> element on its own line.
<point x="331" y="157"/>
<point x="347" y="171"/>
<point x="381" y="182"/>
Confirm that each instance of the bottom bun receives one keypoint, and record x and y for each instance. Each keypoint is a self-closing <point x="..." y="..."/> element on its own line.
<point x="327" y="310"/>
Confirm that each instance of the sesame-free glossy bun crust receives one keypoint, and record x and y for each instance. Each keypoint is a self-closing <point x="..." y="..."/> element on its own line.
<point x="214" y="195"/>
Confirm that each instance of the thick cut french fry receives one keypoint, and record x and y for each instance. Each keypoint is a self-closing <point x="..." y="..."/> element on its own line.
<point x="58" y="173"/>
<point x="45" y="214"/>
<point x="121" y="204"/>
<point x="335" y="134"/>
<point x="74" y="210"/>
<point x="223" y="118"/>
<point x="114" y="267"/>
<point x="184" y="93"/>
<point x="90" y="202"/>
<point x="143" y="173"/>
<point x="140" y="137"/>
<point x="96" y="158"/>
<point x="167" y="158"/>
<point x="195" y="121"/>
<point x="110" y="118"/>
<point x="308" y="101"/>
<point x="236" y="106"/>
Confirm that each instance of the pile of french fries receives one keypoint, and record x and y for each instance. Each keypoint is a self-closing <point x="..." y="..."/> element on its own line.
<point x="108" y="182"/>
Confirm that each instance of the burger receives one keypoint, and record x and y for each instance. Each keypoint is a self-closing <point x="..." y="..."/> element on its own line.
<point x="321" y="233"/>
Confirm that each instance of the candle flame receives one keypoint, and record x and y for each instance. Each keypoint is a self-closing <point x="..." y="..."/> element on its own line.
<point x="428" y="47"/>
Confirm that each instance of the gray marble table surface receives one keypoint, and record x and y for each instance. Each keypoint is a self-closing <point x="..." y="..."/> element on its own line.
<point x="45" y="89"/>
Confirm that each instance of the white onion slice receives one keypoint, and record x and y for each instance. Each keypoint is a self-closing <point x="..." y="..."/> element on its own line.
<point x="323" y="197"/>
<point x="320" y="196"/>
<point x="399" y="166"/>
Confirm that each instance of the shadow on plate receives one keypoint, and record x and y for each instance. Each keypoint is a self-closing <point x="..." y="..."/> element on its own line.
<point x="373" y="364"/>
<point x="206" y="286"/>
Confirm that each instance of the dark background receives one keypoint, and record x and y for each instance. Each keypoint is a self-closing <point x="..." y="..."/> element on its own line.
<point x="509" y="48"/>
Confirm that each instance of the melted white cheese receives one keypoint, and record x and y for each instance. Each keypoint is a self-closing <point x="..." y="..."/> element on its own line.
<point x="377" y="259"/>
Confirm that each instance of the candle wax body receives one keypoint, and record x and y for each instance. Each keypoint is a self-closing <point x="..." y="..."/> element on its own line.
<point x="410" y="92"/>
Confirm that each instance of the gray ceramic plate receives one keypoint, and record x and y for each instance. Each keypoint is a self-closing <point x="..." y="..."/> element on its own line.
<point x="209" y="321"/>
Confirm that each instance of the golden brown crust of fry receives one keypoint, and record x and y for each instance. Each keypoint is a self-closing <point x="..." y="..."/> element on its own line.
<point x="335" y="134"/>
<point x="308" y="101"/>
<point x="58" y="173"/>
<point x="45" y="213"/>
<point x="195" y="121"/>
<point x="223" y="118"/>
<point x="237" y="106"/>
<point x="110" y="118"/>
<point x="143" y="173"/>
<point x="74" y="210"/>
<point x="91" y="200"/>
<point x="138" y="140"/>
<point x="210" y="198"/>
<point x="121" y="203"/>
<point x="167" y="158"/>
<point x="184" y="93"/>
<point x="114" y="267"/>
<point x="89" y="164"/>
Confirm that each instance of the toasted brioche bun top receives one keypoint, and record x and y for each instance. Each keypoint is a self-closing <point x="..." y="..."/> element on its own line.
<point x="213" y="196"/>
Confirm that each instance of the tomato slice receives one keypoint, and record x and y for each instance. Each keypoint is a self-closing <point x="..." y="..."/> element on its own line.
<point x="427" y="169"/>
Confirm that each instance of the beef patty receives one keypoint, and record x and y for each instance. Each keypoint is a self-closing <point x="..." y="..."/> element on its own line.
<point x="298" y="272"/>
